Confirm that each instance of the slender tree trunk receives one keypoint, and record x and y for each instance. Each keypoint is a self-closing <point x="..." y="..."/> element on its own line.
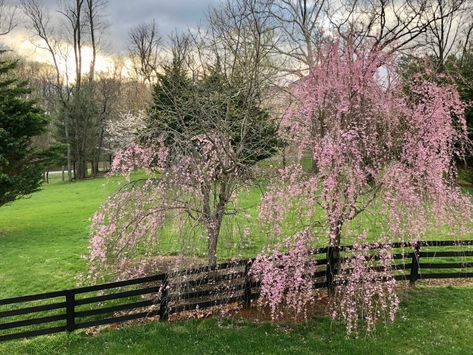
<point x="63" y="175"/>
<point x="213" y="230"/>
<point x="284" y="158"/>
<point x="69" y="165"/>
<point x="335" y="237"/>
<point x="99" y="151"/>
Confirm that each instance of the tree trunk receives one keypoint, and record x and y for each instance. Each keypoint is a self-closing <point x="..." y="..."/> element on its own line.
<point x="63" y="175"/>
<point x="69" y="165"/>
<point x="213" y="231"/>
<point x="314" y="167"/>
<point x="284" y="158"/>
<point x="335" y="236"/>
<point x="214" y="224"/>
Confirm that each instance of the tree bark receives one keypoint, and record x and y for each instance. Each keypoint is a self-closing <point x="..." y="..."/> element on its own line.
<point x="213" y="230"/>
<point x="335" y="236"/>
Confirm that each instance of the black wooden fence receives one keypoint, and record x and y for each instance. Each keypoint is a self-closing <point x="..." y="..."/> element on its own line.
<point x="160" y="295"/>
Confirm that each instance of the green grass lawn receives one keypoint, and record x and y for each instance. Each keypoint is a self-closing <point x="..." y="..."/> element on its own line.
<point x="431" y="321"/>
<point x="42" y="239"/>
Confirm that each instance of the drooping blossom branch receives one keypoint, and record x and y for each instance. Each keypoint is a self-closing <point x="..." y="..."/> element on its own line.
<point x="366" y="289"/>
<point x="286" y="275"/>
<point x="371" y="139"/>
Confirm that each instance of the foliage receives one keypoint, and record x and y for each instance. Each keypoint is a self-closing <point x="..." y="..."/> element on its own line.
<point x="55" y="156"/>
<point x="20" y="120"/>
<point x="462" y="71"/>
<point x="171" y="98"/>
<point x="123" y="131"/>
<point x="81" y="117"/>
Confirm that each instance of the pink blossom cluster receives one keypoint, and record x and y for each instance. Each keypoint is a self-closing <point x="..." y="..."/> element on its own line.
<point x="366" y="288"/>
<point x="372" y="139"/>
<point x="296" y="194"/>
<point x="132" y="158"/>
<point x="128" y="220"/>
<point x="128" y="226"/>
<point x="286" y="276"/>
<point x="378" y="144"/>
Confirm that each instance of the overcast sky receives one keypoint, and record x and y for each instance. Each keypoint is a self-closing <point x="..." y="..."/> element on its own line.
<point x="170" y="15"/>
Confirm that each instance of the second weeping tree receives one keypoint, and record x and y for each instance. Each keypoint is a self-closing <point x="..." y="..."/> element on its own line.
<point x="205" y="133"/>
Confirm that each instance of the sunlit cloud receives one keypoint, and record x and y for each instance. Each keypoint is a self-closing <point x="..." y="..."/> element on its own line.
<point x="35" y="51"/>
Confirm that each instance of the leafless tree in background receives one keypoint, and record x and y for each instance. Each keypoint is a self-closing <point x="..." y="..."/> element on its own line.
<point x="239" y="41"/>
<point x="298" y="28"/>
<point x="7" y="17"/>
<point x="450" y="32"/>
<point x="145" y="43"/>
<point x="41" y="26"/>
<point x="386" y="24"/>
<point x="83" y="19"/>
<point x="94" y="10"/>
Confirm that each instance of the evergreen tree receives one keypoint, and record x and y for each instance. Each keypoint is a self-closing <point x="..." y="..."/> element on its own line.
<point x="239" y="116"/>
<point x="184" y="108"/>
<point x="170" y="114"/>
<point x="20" y="120"/>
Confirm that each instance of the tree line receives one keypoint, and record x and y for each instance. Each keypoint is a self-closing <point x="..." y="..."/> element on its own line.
<point x="248" y="55"/>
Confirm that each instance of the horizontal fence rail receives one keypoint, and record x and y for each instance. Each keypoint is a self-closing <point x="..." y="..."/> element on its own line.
<point x="159" y="296"/>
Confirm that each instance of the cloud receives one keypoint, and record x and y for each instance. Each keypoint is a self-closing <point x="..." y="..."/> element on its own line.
<point x="122" y="15"/>
<point x="170" y="16"/>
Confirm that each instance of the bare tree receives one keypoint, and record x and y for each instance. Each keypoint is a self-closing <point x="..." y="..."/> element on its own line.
<point x="82" y="20"/>
<point x="386" y="24"/>
<point x="299" y="28"/>
<point x="42" y="27"/>
<point x="450" y="32"/>
<point x="108" y="92"/>
<point x="145" y="42"/>
<point x="93" y="12"/>
<point x="72" y="12"/>
<point x="7" y="17"/>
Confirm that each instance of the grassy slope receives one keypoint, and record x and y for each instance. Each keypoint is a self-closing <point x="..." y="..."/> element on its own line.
<point x="432" y="321"/>
<point x="43" y="237"/>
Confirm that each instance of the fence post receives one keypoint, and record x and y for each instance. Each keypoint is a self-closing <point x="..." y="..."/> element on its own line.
<point x="415" y="264"/>
<point x="70" y="311"/>
<point x="164" y="302"/>
<point x="333" y="254"/>
<point x="247" y="285"/>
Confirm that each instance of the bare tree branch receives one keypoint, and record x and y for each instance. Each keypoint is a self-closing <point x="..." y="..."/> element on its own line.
<point x="7" y="17"/>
